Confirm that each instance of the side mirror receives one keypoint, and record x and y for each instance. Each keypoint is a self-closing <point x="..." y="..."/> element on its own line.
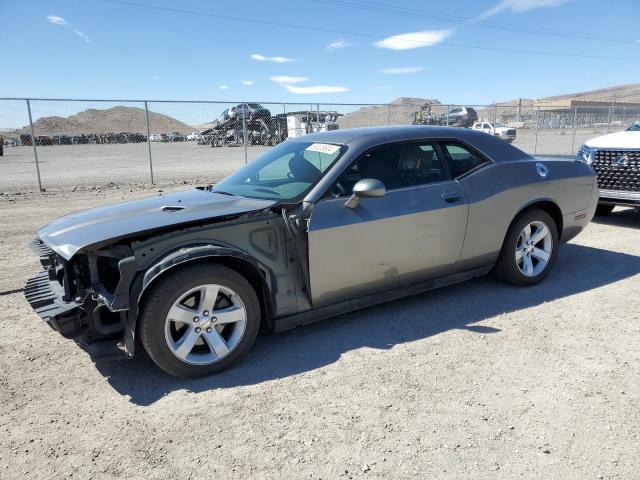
<point x="366" y="188"/>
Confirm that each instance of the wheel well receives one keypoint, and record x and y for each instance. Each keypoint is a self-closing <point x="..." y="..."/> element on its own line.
<point x="256" y="278"/>
<point x="551" y="208"/>
<point x="250" y="272"/>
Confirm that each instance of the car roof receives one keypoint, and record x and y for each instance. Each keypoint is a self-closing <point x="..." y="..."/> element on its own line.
<point x="368" y="137"/>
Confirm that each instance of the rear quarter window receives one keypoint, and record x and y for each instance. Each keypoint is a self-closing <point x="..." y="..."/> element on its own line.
<point x="461" y="158"/>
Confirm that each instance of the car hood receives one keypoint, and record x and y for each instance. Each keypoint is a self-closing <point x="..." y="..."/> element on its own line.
<point x="624" y="139"/>
<point x="71" y="233"/>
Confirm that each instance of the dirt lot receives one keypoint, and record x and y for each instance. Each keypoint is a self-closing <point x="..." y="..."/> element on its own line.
<point x="64" y="166"/>
<point x="474" y="381"/>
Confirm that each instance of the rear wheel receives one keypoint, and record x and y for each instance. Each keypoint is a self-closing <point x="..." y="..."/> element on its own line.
<point x="529" y="250"/>
<point x="199" y="320"/>
<point x="603" y="209"/>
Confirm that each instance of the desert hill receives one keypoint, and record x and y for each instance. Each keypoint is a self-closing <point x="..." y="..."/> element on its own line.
<point x="401" y="110"/>
<point x="110" y="120"/>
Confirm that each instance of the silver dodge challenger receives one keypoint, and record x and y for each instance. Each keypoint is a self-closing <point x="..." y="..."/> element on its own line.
<point x="316" y="227"/>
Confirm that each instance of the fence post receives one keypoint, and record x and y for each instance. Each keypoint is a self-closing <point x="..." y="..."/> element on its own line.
<point x="146" y="121"/>
<point x="535" y="145"/>
<point x="318" y="115"/>
<point x="388" y="114"/>
<point x="244" y="135"/>
<point x="494" y="111"/>
<point x="33" y="142"/>
<point x="608" y="119"/>
<point x="573" y="137"/>
<point x="448" y="108"/>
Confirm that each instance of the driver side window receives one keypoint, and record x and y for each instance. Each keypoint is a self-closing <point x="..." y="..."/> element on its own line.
<point x="397" y="166"/>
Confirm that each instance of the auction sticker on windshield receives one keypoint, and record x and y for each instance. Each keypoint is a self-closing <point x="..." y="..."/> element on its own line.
<point x="323" y="148"/>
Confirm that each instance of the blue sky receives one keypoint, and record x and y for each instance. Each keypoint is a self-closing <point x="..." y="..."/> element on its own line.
<point x="98" y="49"/>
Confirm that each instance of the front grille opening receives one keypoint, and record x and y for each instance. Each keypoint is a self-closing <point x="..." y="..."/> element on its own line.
<point x="614" y="176"/>
<point x="108" y="272"/>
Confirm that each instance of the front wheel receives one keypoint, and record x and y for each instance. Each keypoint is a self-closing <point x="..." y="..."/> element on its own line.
<point x="529" y="250"/>
<point x="199" y="320"/>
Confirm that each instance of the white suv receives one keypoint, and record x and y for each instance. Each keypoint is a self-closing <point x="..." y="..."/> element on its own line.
<point x="497" y="129"/>
<point x="616" y="159"/>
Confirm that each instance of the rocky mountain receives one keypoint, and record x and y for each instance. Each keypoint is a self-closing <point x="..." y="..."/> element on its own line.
<point x="399" y="113"/>
<point x="619" y="93"/>
<point x="111" y="120"/>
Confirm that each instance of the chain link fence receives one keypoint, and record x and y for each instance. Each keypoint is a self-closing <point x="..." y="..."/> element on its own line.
<point x="63" y="144"/>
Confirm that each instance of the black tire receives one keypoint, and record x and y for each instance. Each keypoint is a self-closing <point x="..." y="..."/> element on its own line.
<point x="604" y="209"/>
<point x="506" y="268"/>
<point x="168" y="290"/>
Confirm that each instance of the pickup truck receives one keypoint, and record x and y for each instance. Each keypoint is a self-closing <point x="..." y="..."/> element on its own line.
<point x="496" y="129"/>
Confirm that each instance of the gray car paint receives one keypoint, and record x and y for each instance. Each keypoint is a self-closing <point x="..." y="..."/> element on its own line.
<point x="405" y="236"/>
<point x="342" y="266"/>
<point x="71" y="233"/>
<point x="409" y="235"/>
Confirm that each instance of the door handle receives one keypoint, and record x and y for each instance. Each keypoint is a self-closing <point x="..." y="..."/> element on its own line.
<point x="450" y="197"/>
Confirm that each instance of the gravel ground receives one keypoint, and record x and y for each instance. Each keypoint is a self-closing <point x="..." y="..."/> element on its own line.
<point x="475" y="381"/>
<point x="64" y="166"/>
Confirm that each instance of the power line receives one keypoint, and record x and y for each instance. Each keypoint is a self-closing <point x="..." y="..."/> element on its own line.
<point x="360" y="34"/>
<point x="378" y="7"/>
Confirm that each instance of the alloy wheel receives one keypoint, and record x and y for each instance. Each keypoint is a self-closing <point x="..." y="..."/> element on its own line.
<point x="205" y="324"/>
<point x="533" y="249"/>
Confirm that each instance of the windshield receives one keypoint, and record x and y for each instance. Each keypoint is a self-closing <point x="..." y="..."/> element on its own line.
<point x="283" y="173"/>
<point x="635" y="127"/>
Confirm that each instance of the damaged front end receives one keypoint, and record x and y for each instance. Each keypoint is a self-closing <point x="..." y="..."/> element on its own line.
<point x="79" y="298"/>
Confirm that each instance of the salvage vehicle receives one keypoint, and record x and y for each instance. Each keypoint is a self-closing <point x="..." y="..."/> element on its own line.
<point x="249" y="111"/>
<point x="616" y="159"/>
<point x="425" y="116"/>
<point x="459" y="117"/>
<point x="317" y="226"/>
<point x="507" y="134"/>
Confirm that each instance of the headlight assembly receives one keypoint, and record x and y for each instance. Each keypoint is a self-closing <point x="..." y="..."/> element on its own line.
<point x="585" y="154"/>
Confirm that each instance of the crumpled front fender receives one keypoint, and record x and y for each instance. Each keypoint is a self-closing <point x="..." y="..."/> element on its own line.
<point x="178" y="257"/>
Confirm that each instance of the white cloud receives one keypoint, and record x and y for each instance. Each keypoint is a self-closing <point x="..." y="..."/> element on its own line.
<point x="338" y="45"/>
<point x="288" y="83"/>
<point x="315" y="89"/>
<point x="63" y="23"/>
<point x="285" y="80"/>
<point x="82" y="35"/>
<point x="519" y="6"/>
<point x="156" y="77"/>
<point x="248" y="83"/>
<point x="401" y="70"/>
<point x="223" y="87"/>
<point x="56" y="20"/>
<point x="276" y="59"/>
<point x="408" y="41"/>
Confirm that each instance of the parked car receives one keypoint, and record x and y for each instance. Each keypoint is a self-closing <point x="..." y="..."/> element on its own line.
<point x="249" y="111"/>
<point x="315" y="227"/>
<point x="176" y="137"/>
<point x="156" y="137"/>
<point x="616" y="159"/>
<point x="193" y="136"/>
<point x="459" y="117"/>
<point x="507" y="134"/>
